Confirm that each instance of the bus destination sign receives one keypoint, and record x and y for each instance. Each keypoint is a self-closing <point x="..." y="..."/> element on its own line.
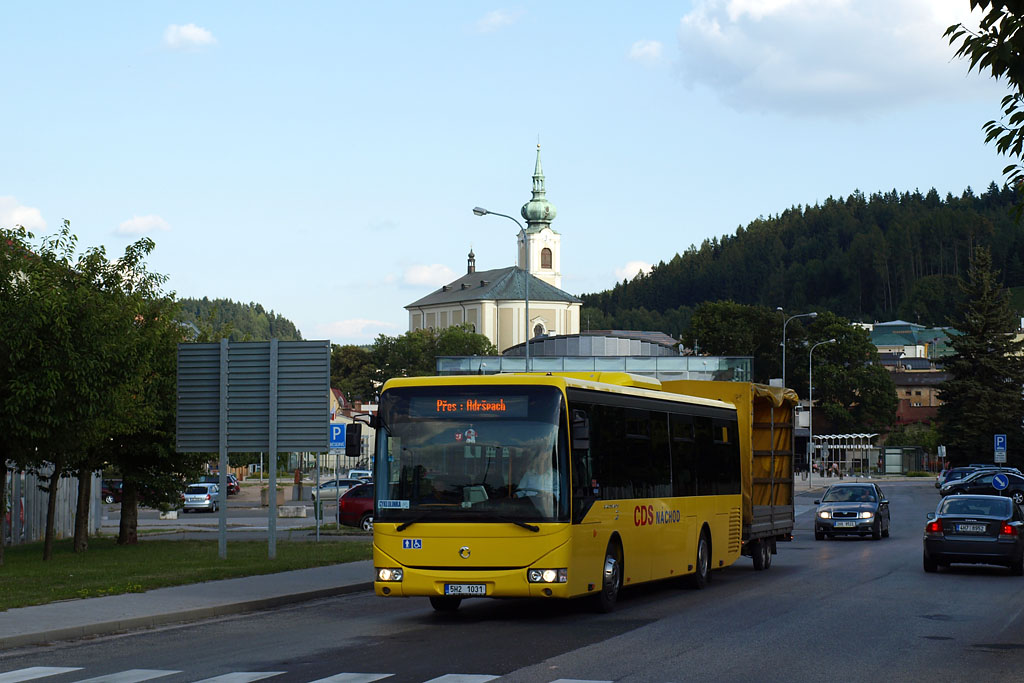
<point x="460" y="405"/>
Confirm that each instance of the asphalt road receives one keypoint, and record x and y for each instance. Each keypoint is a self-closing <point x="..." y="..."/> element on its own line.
<point x="850" y="610"/>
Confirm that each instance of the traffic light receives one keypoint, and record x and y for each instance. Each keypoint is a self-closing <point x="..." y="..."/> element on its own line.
<point x="353" y="440"/>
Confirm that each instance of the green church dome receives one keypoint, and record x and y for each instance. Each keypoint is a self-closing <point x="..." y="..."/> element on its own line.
<point x="538" y="209"/>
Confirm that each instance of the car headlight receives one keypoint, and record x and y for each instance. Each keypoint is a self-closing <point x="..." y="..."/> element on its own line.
<point x="824" y="514"/>
<point x="866" y="514"/>
<point x="547" y="575"/>
<point x="389" y="574"/>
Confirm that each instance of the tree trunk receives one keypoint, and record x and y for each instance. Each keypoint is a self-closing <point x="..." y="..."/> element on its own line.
<point x="51" y="506"/>
<point x="128" y="532"/>
<point x="82" y="510"/>
<point x="15" y="506"/>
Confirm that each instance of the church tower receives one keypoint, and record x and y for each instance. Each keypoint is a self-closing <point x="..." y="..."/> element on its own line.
<point x="543" y="243"/>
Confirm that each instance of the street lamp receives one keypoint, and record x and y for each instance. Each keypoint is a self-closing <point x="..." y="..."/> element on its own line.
<point x="799" y="315"/>
<point x="483" y="212"/>
<point x="810" y="406"/>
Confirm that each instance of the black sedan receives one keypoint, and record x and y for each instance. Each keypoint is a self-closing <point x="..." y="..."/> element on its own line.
<point x="975" y="530"/>
<point x="982" y="483"/>
<point x="857" y="509"/>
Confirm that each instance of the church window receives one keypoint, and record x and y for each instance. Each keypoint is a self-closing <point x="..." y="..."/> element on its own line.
<point x="545" y="258"/>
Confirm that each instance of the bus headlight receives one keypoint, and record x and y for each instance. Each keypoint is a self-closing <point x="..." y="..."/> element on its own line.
<point x="547" y="575"/>
<point x="389" y="574"/>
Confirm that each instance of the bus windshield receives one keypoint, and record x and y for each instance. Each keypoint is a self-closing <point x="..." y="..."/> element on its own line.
<point x="486" y="453"/>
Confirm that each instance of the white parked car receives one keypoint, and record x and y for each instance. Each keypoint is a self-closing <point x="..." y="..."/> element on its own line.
<point x="201" y="497"/>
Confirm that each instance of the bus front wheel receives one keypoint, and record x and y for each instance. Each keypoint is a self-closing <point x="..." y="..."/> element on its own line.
<point x="445" y="603"/>
<point x="611" y="579"/>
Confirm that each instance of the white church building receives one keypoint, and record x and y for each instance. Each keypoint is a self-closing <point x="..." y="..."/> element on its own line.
<point x="492" y="302"/>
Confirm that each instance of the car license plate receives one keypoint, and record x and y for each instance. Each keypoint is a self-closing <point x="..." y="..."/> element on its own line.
<point x="465" y="589"/>
<point x="971" y="528"/>
<point x="845" y="524"/>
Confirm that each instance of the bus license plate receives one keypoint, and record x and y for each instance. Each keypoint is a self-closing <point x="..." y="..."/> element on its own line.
<point x="846" y="524"/>
<point x="971" y="528"/>
<point x="465" y="589"/>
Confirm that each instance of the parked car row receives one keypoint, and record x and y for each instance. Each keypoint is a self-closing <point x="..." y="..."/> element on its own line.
<point x="993" y="482"/>
<point x="953" y="474"/>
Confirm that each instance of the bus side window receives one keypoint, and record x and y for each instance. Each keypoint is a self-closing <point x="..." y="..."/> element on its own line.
<point x="580" y="430"/>
<point x="583" y="491"/>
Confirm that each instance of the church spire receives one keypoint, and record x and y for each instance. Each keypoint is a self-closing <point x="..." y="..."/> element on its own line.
<point x="538" y="212"/>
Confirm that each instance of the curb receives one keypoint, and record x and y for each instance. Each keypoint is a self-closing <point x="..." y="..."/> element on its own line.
<point x="151" y="620"/>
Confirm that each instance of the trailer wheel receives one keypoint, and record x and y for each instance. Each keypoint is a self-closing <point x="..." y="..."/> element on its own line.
<point x="757" y="554"/>
<point x="769" y="548"/>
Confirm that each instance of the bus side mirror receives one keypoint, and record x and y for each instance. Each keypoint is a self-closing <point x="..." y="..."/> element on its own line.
<point x="580" y="430"/>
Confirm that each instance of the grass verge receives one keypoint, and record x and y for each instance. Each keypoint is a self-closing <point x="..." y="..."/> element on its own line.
<point x="109" y="569"/>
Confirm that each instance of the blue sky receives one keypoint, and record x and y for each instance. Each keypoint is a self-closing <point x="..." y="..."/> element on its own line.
<point x="323" y="159"/>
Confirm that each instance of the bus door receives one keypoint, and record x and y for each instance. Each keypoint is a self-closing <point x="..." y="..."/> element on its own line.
<point x="593" y="518"/>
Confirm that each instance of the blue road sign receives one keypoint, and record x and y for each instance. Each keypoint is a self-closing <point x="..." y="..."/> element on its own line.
<point x="1000" y="443"/>
<point x="337" y="435"/>
<point x="1000" y="481"/>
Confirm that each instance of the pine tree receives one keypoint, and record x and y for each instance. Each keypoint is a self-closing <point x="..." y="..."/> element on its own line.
<point x="983" y="395"/>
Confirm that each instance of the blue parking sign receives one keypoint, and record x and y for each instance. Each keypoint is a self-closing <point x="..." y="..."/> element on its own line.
<point x="1000" y="442"/>
<point x="337" y="435"/>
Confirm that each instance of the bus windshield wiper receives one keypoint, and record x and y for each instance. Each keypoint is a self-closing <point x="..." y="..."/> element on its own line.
<point x="509" y="520"/>
<point x="405" y="525"/>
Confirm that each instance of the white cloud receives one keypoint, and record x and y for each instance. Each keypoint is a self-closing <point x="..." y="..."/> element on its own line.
<point x="140" y="225"/>
<point x="357" y="330"/>
<point x="499" y="18"/>
<point x="12" y="213"/>
<point x="631" y="269"/>
<point x="187" y="36"/>
<point x="811" y="57"/>
<point x="433" y="275"/>
<point x="648" y="52"/>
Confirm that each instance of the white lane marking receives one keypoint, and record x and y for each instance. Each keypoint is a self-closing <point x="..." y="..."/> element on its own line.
<point x="462" y="678"/>
<point x="241" y="677"/>
<point x="34" y="672"/>
<point x="801" y="509"/>
<point x="352" y="678"/>
<point x="130" y="676"/>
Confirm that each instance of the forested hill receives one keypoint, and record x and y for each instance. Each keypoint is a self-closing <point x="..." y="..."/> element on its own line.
<point x="247" y="322"/>
<point x="871" y="258"/>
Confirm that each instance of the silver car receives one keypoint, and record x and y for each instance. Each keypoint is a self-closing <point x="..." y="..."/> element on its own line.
<point x="201" y="497"/>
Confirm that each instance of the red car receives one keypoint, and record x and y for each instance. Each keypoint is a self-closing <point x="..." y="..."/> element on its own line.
<point x="355" y="507"/>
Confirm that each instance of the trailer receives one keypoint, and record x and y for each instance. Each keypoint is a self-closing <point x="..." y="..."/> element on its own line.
<point x="765" y="414"/>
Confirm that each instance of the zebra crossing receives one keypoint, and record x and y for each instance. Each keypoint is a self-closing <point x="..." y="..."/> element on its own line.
<point x="35" y="673"/>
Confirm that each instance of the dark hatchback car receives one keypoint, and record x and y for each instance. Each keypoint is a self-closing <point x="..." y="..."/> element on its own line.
<point x="983" y="483"/>
<point x="233" y="485"/>
<point x="975" y="530"/>
<point x="355" y="507"/>
<point x="852" y="509"/>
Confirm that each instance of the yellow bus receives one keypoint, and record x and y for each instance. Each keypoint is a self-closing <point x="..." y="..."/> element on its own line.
<point x="552" y="486"/>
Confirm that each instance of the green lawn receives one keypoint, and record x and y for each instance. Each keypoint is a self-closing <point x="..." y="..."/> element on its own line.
<point x="108" y="569"/>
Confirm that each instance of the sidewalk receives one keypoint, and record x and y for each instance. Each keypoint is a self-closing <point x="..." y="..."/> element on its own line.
<point x="100" y="616"/>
